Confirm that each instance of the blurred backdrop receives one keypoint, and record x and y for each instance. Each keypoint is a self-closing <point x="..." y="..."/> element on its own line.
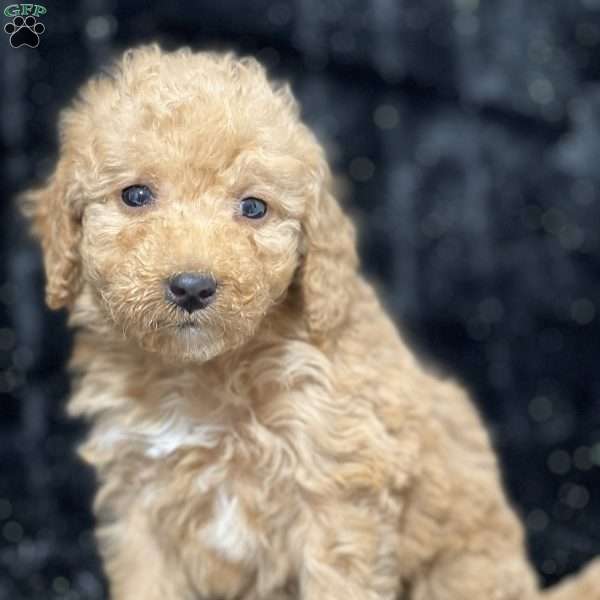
<point x="467" y="137"/>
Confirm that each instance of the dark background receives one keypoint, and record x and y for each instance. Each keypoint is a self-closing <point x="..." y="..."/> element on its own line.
<point x="467" y="135"/>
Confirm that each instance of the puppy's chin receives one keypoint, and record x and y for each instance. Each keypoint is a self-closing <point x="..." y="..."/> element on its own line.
<point x="196" y="341"/>
<point x="185" y="343"/>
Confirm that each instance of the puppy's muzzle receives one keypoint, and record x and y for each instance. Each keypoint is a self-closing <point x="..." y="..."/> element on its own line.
<point x="191" y="291"/>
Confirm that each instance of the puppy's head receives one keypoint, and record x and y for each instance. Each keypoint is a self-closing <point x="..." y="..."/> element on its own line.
<point x="187" y="198"/>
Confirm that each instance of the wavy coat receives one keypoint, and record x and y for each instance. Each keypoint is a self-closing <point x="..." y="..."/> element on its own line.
<point x="283" y="443"/>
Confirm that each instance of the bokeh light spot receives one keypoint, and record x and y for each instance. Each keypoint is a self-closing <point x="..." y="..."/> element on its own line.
<point x="540" y="409"/>
<point x="361" y="169"/>
<point x="559" y="462"/>
<point x="583" y="311"/>
<point x="537" y="520"/>
<point x="386" y="116"/>
<point x="12" y="532"/>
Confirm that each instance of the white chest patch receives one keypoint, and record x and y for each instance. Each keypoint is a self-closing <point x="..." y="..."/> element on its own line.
<point x="178" y="432"/>
<point x="228" y="533"/>
<point x="164" y="435"/>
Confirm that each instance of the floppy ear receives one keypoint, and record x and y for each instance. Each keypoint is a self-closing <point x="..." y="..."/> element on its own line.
<point x="330" y="260"/>
<point x="57" y="224"/>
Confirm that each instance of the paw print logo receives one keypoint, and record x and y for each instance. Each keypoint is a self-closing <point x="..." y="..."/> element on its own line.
<point x="24" y="32"/>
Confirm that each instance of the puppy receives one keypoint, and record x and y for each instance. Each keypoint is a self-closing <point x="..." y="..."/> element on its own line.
<point x="259" y="429"/>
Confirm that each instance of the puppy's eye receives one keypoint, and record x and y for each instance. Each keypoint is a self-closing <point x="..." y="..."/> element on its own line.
<point x="137" y="195"/>
<point x="253" y="208"/>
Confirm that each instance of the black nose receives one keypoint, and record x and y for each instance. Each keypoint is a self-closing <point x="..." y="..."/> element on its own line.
<point x="191" y="291"/>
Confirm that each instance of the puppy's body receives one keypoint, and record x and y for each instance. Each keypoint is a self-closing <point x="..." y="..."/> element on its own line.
<point x="341" y="466"/>
<point x="284" y="444"/>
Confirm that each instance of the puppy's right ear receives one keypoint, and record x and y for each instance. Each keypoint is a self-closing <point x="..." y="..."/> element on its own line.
<point x="57" y="224"/>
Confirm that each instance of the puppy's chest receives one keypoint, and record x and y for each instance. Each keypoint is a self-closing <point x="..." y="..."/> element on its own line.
<point x="226" y="499"/>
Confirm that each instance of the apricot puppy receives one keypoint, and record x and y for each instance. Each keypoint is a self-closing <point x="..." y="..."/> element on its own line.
<point x="259" y="429"/>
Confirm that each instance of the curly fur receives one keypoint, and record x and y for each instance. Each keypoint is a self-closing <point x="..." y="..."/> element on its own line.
<point x="282" y="443"/>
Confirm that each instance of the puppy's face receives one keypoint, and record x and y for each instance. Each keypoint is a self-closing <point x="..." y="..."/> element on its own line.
<point x="180" y="209"/>
<point x="188" y="252"/>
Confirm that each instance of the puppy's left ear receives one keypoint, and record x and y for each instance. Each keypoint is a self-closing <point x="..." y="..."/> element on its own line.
<point x="330" y="260"/>
<point x="56" y="222"/>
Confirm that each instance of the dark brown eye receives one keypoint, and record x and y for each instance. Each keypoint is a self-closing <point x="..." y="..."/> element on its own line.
<point x="137" y="195"/>
<point x="253" y="208"/>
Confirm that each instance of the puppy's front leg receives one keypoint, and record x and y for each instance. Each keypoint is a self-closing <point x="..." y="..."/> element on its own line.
<point x="352" y="558"/>
<point x="492" y="575"/>
<point x="134" y="564"/>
